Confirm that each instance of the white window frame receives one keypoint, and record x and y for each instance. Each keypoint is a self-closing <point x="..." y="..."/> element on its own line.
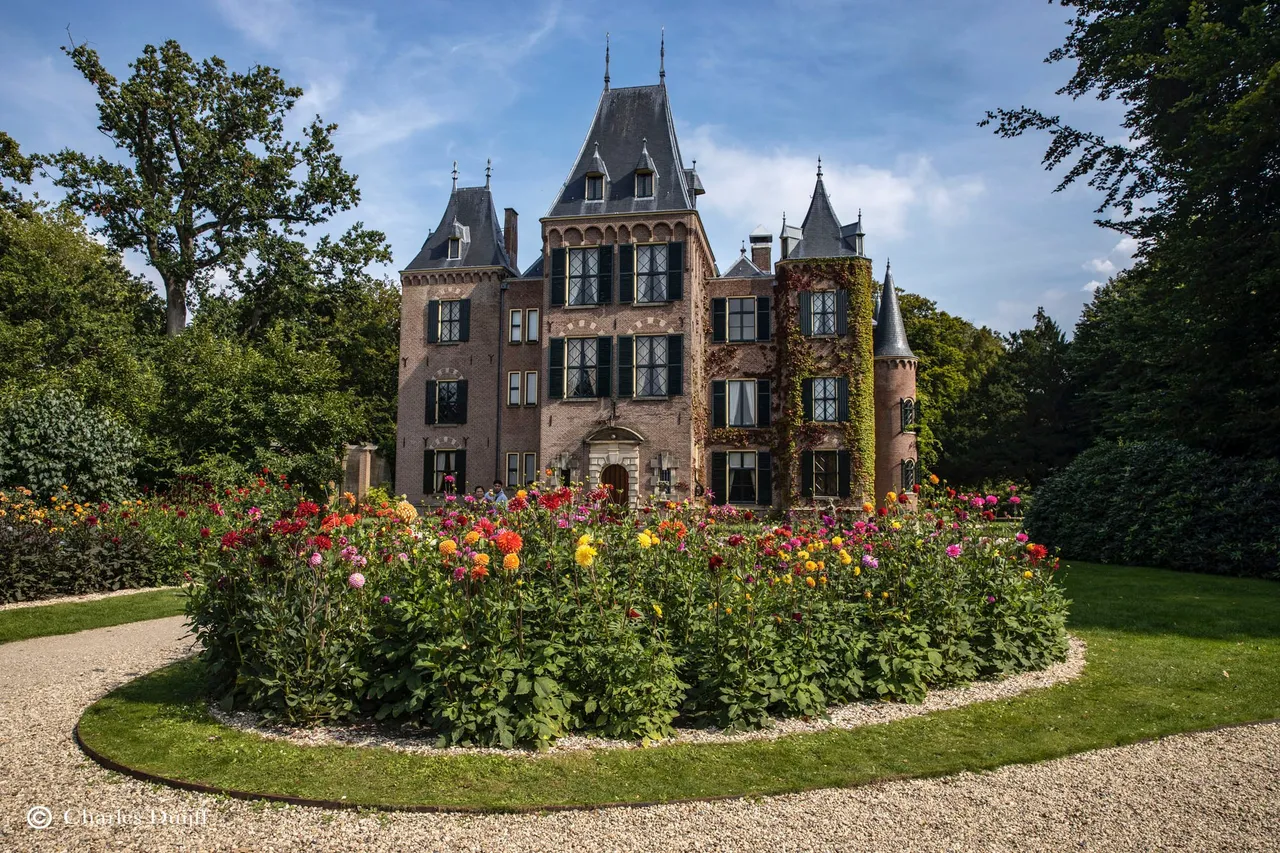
<point x="531" y="388"/>
<point x="747" y="387"/>
<point x="832" y="402"/>
<point x="531" y="330"/>
<point x="514" y="388"/>
<point x="455" y="248"/>
<point x="748" y="332"/>
<point x="828" y="316"/>
<point x="515" y="326"/>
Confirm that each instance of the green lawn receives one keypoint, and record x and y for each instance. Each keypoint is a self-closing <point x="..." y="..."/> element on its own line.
<point x="1168" y="652"/>
<point x="45" y="620"/>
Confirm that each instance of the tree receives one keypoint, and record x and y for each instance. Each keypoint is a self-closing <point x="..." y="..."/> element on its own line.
<point x="14" y="168"/>
<point x="1199" y="188"/>
<point x="208" y="176"/>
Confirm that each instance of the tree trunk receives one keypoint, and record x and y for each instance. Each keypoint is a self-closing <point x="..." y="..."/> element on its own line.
<point x="175" y="308"/>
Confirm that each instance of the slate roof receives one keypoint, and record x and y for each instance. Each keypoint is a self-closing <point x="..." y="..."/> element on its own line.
<point x="821" y="234"/>
<point x="469" y="214"/>
<point x="744" y="268"/>
<point x="627" y="122"/>
<point x="890" y="334"/>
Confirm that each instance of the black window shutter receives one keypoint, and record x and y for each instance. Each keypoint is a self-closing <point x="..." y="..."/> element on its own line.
<point x="719" y="321"/>
<point x="842" y="399"/>
<point x="626" y="366"/>
<point x="720" y="477"/>
<point x="843" y="470"/>
<point x="806" y="396"/>
<point x="627" y="273"/>
<point x="842" y="312"/>
<point x="559" y="275"/>
<point x="764" y="478"/>
<point x="461" y="484"/>
<point x="555" y="376"/>
<point x="764" y="404"/>
<point x="764" y="323"/>
<point x="806" y="312"/>
<point x="433" y="321"/>
<point x="462" y="401"/>
<point x="675" y="271"/>
<point x="428" y="471"/>
<point x="719" y="404"/>
<point x="465" y="327"/>
<point x="604" y="276"/>
<point x="604" y="367"/>
<point x="675" y="365"/>
<point x="431" y="402"/>
<point x="806" y="474"/>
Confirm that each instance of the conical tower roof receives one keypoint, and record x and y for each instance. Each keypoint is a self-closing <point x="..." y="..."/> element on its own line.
<point x="821" y="234"/>
<point x="890" y="334"/>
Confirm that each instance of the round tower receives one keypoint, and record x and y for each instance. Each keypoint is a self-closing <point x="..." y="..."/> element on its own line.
<point x="895" y="396"/>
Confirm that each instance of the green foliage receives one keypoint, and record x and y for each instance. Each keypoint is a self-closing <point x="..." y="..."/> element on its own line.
<point x="15" y="169"/>
<point x="1185" y="345"/>
<point x="55" y="444"/>
<point x="519" y="625"/>
<point x="208" y="177"/>
<point x="23" y="623"/>
<point x="1161" y="503"/>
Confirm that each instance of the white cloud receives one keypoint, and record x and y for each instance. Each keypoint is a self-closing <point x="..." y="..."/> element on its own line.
<point x="262" y="21"/>
<point x="1119" y="258"/>
<point x="1092" y="286"/>
<point x="1100" y="265"/>
<point x="752" y="186"/>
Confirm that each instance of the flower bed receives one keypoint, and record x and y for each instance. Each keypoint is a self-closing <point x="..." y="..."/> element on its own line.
<point x="562" y="613"/>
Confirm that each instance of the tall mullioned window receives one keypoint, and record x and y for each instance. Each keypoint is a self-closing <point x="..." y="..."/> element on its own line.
<point x="580" y="367"/>
<point x="450" y="321"/>
<point x="742" y="319"/>
<point x="446" y="466"/>
<point x="651" y="272"/>
<point x="651" y="366"/>
<point x="825" y="407"/>
<point x="742" y="477"/>
<point x="448" y="403"/>
<point x="826" y="478"/>
<point x="644" y="184"/>
<point x="824" y="312"/>
<point x="584" y="268"/>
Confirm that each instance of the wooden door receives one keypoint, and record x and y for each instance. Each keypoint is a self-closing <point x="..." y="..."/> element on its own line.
<point x="615" y="476"/>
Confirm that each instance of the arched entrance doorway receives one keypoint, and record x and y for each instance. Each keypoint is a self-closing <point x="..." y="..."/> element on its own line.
<point x="615" y="478"/>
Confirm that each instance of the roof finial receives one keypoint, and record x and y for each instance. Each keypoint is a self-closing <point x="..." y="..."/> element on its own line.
<point x="819" y="165"/>
<point x="455" y="175"/>
<point x="606" y="62"/>
<point x="662" y="58"/>
<point x="743" y="250"/>
<point x="488" y="172"/>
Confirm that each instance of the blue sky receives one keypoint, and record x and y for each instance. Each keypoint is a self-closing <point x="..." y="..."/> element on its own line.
<point x="888" y="94"/>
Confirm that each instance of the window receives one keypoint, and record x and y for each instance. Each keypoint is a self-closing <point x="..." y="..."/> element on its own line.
<point x="531" y="388"/>
<point x="530" y="468"/>
<point x="595" y="187"/>
<point x="826" y="478"/>
<point x="513" y="470"/>
<point x="651" y="272"/>
<point x="644" y="184"/>
<point x="580" y="372"/>
<point x="584" y="268"/>
<point x="513" y="388"/>
<point x="825" y="407"/>
<point x="448" y="403"/>
<point x="455" y="248"/>
<point x="531" y="326"/>
<point x="664" y="481"/>
<point x="450" y="321"/>
<point x="824" y="312"/>
<point x="651" y="366"/>
<point x="515" y="328"/>
<point x="446" y="466"/>
<point x="742" y="478"/>
<point x="908" y="474"/>
<point x="742" y="319"/>
<point x="742" y="402"/>
<point x="908" y="414"/>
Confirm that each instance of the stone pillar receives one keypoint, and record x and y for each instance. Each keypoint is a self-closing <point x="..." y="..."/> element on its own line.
<point x="895" y="381"/>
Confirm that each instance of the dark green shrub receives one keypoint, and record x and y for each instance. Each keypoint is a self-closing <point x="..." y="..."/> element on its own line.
<point x="1160" y="503"/>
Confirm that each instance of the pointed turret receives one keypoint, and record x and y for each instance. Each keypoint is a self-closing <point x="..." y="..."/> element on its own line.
<point x="469" y="233"/>
<point x="890" y="333"/>
<point x="821" y="234"/>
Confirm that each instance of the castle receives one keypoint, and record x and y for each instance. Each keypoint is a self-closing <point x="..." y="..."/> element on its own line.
<point x="622" y="356"/>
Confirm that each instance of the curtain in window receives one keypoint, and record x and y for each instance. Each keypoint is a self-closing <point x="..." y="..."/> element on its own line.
<point x="742" y="404"/>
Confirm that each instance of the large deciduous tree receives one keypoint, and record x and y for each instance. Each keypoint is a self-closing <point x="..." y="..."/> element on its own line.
<point x="207" y="174"/>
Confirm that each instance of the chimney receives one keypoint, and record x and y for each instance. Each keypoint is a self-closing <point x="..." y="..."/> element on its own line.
<point x="762" y="249"/>
<point x="510" y="236"/>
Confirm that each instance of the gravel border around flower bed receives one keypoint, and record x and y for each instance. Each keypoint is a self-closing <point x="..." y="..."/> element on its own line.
<point x="852" y="716"/>
<point x="77" y="599"/>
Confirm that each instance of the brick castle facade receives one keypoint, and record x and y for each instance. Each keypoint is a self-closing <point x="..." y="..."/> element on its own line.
<point x="623" y="356"/>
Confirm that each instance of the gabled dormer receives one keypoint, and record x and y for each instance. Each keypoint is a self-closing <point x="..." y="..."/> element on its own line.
<point x="596" y="180"/>
<point x="646" y="174"/>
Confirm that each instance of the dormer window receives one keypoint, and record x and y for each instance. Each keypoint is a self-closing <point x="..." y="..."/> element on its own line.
<point x="644" y="184"/>
<point x="455" y="248"/>
<point x="595" y="187"/>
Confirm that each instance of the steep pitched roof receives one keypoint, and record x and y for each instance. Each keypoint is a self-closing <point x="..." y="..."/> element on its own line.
<point x="744" y="268"/>
<point x="890" y="334"/>
<point x="470" y="215"/>
<point x="627" y="122"/>
<point x="821" y="234"/>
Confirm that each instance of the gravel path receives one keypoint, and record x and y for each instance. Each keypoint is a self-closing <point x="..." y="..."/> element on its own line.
<point x="1218" y="791"/>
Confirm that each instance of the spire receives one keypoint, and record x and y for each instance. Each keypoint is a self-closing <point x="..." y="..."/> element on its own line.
<point x="606" y="62"/>
<point x="819" y="165"/>
<point x="890" y="334"/>
<point x="455" y="175"/>
<point x="662" y="58"/>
